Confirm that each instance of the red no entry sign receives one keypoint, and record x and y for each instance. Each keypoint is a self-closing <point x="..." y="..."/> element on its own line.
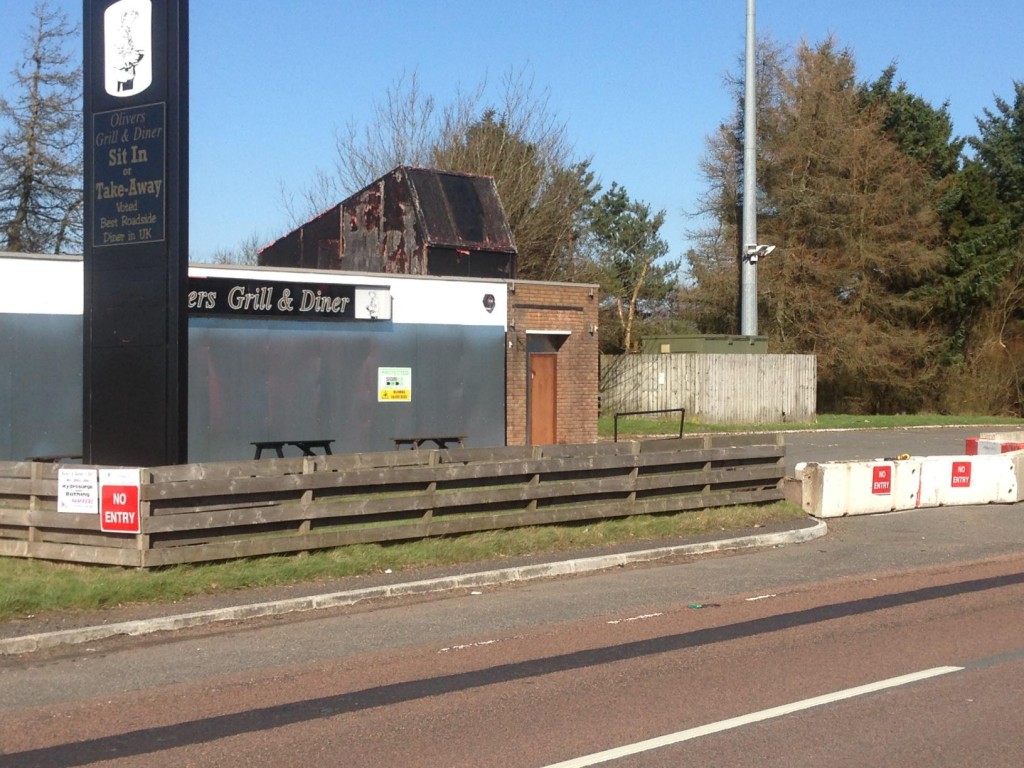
<point x="119" y="501"/>
<point x="961" y="475"/>
<point x="881" y="479"/>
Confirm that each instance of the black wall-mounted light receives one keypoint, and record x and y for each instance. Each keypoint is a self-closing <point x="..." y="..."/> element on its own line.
<point x="489" y="302"/>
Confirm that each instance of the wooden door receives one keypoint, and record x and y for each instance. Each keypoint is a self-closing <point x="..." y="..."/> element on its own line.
<point x="543" y="396"/>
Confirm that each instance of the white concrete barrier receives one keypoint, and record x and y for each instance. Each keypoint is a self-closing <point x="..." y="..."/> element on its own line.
<point x="841" y="488"/>
<point x="980" y="479"/>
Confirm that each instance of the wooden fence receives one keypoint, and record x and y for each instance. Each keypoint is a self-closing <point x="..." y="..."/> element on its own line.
<point x="714" y="389"/>
<point x="225" y="510"/>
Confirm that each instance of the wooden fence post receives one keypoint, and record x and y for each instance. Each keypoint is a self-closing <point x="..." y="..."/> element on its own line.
<point x="634" y="473"/>
<point x="433" y="460"/>
<point x="308" y="468"/>
<point x="33" y="505"/>
<point x="708" y="444"/>
<point x="145" y="511"/>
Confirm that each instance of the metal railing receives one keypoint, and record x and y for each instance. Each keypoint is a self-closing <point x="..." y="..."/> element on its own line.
<point x="680" y="411"/>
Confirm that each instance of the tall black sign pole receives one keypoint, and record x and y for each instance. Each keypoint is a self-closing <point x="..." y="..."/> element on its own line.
<point x="135" y="374"/>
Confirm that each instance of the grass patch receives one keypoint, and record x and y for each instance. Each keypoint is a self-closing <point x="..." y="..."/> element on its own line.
<point x="33" y="587"/>
<point x="639" y="426"/>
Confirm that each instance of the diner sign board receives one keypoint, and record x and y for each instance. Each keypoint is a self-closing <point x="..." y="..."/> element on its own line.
<point x="129" y="181"/>
<point x="135" y="335"/>
<point x="240" y="296"/>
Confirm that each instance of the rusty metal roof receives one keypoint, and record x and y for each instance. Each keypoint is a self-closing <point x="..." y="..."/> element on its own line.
<point x="460" y="210"/>
<point x="411" y="220"/>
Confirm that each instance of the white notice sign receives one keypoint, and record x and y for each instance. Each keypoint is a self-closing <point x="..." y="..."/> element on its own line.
<point x="78" y="490"/>
<point x="394" y="385"/>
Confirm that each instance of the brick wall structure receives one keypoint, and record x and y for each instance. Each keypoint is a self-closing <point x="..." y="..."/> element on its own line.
<point x="557" y="322"/>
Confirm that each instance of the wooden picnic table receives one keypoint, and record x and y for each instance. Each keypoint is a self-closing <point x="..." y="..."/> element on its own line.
<point x="441" y="441"/>
<point x="306" y="446"/>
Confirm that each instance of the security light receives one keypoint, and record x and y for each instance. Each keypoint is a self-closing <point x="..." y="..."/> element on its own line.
<point x="755" y="252"/>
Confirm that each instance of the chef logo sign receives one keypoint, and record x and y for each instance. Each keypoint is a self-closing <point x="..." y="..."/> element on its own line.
<point x="128" y="47"/>
<point x="128" y="188"/>
<point x="119" y="501"/>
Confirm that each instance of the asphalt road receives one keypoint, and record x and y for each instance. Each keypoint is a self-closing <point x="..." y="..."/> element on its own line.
<point x="544" y="693"/>
<point x="770" y="669"/>
<point x="867" y="444"/>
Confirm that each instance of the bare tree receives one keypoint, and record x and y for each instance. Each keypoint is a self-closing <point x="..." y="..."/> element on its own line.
<point x="516" y="140"/>
<point x="519" y="142"/>
<point x="40" y="147"/>
<point x="245" y="254"/>
<point x="320" y="193"/>
<point x="403" y="131"/>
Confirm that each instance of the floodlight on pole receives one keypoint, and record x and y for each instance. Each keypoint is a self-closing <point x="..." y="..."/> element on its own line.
<point x="754" y="252"/>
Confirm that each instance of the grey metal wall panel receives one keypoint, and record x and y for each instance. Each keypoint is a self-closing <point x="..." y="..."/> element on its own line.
<point x="284" y="380"/>
<point x="265" y="380"/>
<point x="40" y="385"/>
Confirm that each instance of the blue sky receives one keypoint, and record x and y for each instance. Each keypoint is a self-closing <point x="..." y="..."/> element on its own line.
<point x="639" y="85"/>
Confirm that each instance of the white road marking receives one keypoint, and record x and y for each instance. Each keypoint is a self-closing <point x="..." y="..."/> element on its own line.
<point x="759" y="597"/>
<point x="478" y="644"/>
<point x="636" y="618"/>
<point x="753" y="717"/>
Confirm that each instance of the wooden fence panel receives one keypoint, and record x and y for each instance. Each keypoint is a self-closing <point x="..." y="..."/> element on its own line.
<point x="715" y="389"/>
<point x="202" y="512"/>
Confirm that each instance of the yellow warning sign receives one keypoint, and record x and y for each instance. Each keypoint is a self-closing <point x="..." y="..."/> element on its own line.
<point x="394" y="385"/>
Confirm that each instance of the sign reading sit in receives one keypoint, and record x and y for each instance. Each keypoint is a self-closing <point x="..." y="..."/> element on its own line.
<point x="119" y="501"/>
<point x="135" y="335"/>
<point x="129" y="175"/>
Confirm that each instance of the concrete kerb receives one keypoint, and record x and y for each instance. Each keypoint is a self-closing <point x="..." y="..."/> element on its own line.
<point x="47" y="640"/>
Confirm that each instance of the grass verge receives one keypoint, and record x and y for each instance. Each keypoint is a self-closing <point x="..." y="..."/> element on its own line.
<point x="33" y="587"/>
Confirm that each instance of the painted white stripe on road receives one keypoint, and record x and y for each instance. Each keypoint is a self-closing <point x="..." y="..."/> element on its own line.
<point x="479" y="644"/>
<point x="754" y="717"/>
<point x="642" y="617"/>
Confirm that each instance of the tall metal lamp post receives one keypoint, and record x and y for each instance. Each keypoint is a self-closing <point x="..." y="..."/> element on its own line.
<point x="751" y="250"/>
